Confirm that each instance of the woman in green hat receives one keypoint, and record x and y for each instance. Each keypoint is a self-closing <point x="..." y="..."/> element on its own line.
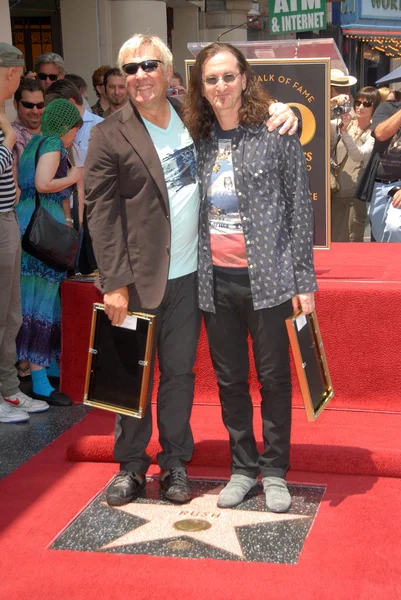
<point x="39" y="338"/>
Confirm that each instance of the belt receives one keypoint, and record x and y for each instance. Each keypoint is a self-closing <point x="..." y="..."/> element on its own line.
<point x="386" y="181"/>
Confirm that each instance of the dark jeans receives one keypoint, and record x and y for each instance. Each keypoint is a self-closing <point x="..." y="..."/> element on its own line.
<point x="176" y="338"/>
<point x="228" y="340"/>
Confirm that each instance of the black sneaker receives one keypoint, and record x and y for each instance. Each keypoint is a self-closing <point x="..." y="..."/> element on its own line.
<point x="124" y="488"/>
<point x="175" y="485"/>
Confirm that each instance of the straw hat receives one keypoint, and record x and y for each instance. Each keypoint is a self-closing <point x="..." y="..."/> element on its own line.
<point x="339" y="79"/>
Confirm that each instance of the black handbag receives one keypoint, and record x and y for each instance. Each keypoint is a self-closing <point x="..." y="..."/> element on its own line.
<point x="49" y="241"/>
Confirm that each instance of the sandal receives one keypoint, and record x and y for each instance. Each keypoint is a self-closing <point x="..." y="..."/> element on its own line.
<point x="24" y="371"/>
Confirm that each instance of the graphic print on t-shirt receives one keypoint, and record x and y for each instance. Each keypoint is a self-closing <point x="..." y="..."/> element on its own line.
<point x="176" y="152"/>
<point x="179" y="168"/>
<point x="226" y="236"/>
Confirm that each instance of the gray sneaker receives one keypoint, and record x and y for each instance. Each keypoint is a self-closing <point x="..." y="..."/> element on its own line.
<point x="235" y="490"/>
<point x="12" y="414"/>
<point x="278" y="497"/>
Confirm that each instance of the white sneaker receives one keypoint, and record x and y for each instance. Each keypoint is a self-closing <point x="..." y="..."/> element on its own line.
<point x="27" y="403"/>
<point x="12" y="414"/>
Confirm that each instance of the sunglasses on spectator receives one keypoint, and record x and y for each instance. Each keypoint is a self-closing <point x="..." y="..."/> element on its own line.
<point x="44" y="76"/>
<point x="227" y="78"/>
<point x="39" y="105"/>
<point x="363" y="103"/>
<point x="146" y="65"/>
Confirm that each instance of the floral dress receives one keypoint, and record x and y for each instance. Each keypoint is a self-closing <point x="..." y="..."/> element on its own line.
<point x="39" y="339"/>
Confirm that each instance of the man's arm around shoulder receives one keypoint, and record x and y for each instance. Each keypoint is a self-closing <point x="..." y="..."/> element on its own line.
<point x="386" y="120"/>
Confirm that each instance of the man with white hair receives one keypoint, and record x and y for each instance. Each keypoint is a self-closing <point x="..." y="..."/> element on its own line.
<point x="49" y="67"/>
<point x="143" y="204"/>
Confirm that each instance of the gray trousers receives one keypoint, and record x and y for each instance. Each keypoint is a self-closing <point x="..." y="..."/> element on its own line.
<point x="10" y="301"/>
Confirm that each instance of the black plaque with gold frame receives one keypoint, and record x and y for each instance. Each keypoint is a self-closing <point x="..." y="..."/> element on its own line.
<point x="119" y="362"/>
<point x="310" y="362"/>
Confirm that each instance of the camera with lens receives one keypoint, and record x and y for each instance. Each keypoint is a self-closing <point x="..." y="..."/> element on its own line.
<point x="341" y="109"/>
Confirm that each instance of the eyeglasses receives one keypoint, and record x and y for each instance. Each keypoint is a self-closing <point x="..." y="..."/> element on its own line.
<point x="363" y="103"/>
<point x="44" y="76"/>
<point x="146" y="65"/>
<point x="227" y="78"/>
<point x="30" y="105"/>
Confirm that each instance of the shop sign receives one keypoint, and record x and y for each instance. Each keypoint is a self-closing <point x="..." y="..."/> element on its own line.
<point x="296" y="15"/>
<point x="382" y="9"/>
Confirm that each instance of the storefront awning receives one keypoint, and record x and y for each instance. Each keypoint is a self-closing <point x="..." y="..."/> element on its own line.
<point x="384" y="39"/>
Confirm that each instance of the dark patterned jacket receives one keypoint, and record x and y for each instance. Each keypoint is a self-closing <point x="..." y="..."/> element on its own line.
<point x="272" y="187"/>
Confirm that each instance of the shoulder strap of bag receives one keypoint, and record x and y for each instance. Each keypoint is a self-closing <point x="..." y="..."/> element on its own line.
<point x="74" y="195"/>
<point x="37" y="198"/>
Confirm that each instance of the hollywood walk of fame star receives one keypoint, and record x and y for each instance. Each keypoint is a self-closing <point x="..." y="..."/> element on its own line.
<point x="222" y="533"/>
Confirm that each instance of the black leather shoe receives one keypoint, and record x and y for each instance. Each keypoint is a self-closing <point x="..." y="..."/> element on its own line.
<point x="55" y="398"/>
<point x="124" y="488"/>
<point x="175" y="485"/>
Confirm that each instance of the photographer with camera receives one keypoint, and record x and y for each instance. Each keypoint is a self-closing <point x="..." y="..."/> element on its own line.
<point x="352" y="145"/>
<point x="340" y="85"/>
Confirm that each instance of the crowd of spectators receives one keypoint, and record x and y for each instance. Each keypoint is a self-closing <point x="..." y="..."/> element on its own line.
<point x="365" y="162"/>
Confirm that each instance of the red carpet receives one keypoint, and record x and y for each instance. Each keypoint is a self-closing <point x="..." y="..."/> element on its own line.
<point x="359" y="320"/>
<point x="352" y="551"/>
<point x="338" y="442"/>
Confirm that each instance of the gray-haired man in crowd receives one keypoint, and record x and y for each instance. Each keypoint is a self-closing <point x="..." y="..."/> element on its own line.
<point x="49" y="67"/>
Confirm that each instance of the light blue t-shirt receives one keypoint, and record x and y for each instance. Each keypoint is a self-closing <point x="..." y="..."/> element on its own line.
<point x="80" y="147"/>
<point x="176" y="151"/>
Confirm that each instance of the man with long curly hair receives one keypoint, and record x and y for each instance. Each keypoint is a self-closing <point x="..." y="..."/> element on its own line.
<point x="255" y="262"/>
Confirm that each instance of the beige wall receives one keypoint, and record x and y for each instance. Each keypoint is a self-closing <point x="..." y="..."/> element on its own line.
<point x="186" y="29"/>
<point x="94" y="30"/>
<point x="5" y="25"/>
<point x="136" y="16"/>
<point x="80" y="39"/>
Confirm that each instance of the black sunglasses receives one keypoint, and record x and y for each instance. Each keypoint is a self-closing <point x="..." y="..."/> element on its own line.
<point x="364" y="103"/>
<point x="39" y="105"/>
<point x="146" y="65"/>
<point x="44" y="76"/>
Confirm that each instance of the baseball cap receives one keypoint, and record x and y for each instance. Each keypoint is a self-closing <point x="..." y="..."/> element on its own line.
<point x="10" y="56"/>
